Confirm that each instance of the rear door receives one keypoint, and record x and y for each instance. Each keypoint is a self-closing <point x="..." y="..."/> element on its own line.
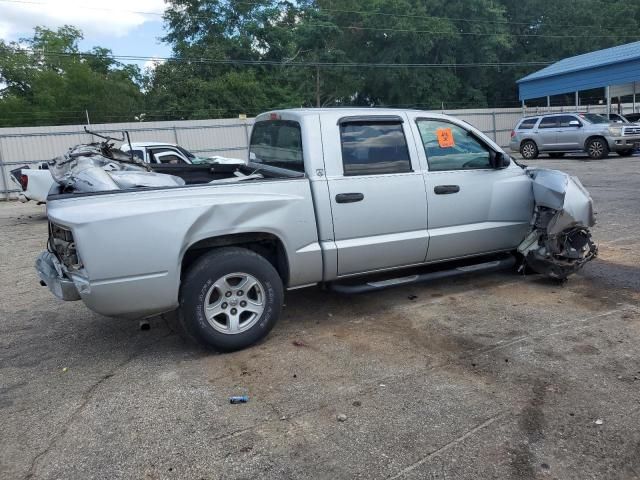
<point x="547" y="133"/>
<point x="377" y="192"/>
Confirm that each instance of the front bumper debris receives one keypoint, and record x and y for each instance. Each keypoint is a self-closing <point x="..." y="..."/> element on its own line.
<point x="51" y="274"/>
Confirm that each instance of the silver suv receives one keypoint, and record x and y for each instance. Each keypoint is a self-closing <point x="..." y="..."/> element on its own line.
<point x="560" y="133"/>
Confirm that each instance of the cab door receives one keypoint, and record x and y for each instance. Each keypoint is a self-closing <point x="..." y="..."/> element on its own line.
<point x="473" y="208"/>
<point x="377" y="192"/>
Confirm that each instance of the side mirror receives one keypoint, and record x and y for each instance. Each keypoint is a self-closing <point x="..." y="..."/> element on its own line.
<point x="500" y="160"/>
<point x="575" y="123"/>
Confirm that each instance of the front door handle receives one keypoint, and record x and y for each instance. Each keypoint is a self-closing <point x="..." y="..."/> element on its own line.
<point x="446" y="189"/>
<point x="349" y="197"/>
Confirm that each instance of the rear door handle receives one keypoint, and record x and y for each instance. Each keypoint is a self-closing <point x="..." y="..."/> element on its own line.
<point x="349" y="197"/>
<point x="446" y="189"/>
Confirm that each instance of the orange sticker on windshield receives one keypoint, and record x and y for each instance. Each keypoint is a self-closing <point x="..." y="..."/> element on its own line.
<point x="445" y="138"/>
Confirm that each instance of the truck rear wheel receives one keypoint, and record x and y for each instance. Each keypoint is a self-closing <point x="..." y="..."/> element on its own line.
<point x="230" y="299"/>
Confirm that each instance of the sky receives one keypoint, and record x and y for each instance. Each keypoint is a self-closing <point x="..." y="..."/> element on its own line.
<point x="118" y="25"/>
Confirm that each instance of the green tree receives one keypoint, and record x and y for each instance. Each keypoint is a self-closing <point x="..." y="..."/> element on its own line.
<point x="52" y="82"/>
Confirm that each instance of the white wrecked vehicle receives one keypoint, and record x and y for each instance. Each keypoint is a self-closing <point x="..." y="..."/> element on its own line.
<point x="356" y="199"/>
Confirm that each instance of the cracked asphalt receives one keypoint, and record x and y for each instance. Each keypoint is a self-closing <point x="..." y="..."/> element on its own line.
<point x="488" y="376"/>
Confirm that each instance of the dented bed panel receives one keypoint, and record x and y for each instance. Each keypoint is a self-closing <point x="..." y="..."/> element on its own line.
<point x="155" y="223"/>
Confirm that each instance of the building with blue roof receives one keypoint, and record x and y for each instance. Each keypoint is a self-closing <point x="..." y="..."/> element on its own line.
<point x="615" y="69"/>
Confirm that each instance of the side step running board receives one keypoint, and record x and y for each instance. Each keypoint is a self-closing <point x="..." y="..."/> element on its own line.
<point x="424" y="277"/>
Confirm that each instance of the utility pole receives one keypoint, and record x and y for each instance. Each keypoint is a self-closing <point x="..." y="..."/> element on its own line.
<point x="318" y="86"/>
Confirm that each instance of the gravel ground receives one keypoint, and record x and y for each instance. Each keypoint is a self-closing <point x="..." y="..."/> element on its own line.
<point x="489" y="376"/>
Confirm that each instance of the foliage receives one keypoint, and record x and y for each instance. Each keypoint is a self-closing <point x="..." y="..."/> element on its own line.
<point x="220" y="48"/>
<point x="40" y="88"/>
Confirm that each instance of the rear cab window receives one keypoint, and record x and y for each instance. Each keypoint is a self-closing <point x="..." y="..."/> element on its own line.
<point x="527" y="124"/>
<point x="277" y="143"/>
<point x="374" y="147"/>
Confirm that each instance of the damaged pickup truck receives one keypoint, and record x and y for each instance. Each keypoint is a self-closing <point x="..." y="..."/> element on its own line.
<point x="352" y="199"/>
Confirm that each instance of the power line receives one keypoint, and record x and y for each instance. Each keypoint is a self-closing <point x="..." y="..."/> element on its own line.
<point x="281" y="63"/>
<point x="379" y="29"/>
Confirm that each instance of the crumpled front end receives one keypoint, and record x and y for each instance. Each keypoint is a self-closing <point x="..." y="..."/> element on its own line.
<point x="559" y="242"/>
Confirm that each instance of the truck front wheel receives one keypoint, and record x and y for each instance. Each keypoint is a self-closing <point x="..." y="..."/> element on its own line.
<point x="230" y="299"/>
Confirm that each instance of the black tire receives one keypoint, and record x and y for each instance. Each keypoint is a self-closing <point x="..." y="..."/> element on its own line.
<point x="529" y="150"/>
<point x="625" y="153"/>
<point x="556" y="155"/>
<point x="201" y="283"/>
<point x="597" y="148"/>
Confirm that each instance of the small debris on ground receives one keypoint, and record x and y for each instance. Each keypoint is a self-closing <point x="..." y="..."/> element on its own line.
<point x="545" y="466"/>
<point x="357" y="403"/>
<point x="412" y="297"/>
<point x="599" y="421"/>
<point x="144" y="325"/>
<point x="64" y="370"/>
<point x="382" y="385"/>
<point x="239" y="399"/>
<point x="299" y="343"/>
<point x="341" y="417"/>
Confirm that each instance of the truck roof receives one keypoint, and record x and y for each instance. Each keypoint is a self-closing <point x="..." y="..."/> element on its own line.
<point x="147" y="144"/>
<point x="348" y="111"/>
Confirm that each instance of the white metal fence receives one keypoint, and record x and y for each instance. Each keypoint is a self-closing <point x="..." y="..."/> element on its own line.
<point x="226" y="137"/>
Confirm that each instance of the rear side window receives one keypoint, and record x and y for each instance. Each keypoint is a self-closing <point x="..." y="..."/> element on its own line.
<point x="277" y="143"/>
<point x="527" y="124"/>
<point x="138" y="154"/>
<point x="374" y="148"/>
<point x="549" y="122"/>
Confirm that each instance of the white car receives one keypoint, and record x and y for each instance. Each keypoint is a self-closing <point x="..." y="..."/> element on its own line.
<point x="158" y="152"/>
<point x="36" y="182"/>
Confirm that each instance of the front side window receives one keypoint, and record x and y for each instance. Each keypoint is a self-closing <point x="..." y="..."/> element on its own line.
<point x="450" y="147"/>
<point x="565" y="121"/>
<point x="549" y="122"/>
<point x="374" y="148"/>
<point x="277" y="143"/>
<point x="170" y="158"/>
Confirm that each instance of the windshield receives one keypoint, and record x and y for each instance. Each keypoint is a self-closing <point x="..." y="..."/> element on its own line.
<point x="186" y="152"/>
<point x="593" y="118"/>
<point x="277" y="143"/>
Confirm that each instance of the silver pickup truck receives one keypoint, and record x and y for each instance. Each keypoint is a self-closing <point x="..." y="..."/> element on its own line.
<point x="338" y="197"/>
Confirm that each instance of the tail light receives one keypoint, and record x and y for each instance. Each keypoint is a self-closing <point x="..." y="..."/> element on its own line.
<point x="24" y="182"/>
<point x="513" y="133"/>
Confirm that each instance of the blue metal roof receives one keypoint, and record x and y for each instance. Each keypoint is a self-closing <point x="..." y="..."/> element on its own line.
<point x="611" y="66"/>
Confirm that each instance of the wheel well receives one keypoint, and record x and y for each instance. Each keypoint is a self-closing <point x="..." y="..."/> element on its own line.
<point x="593" y="137"/>
<point x="267" y="245"/>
